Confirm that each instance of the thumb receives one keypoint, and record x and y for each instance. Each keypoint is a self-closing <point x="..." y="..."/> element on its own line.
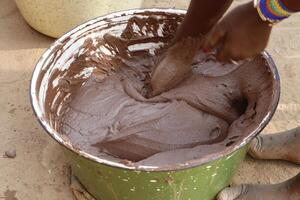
<point x="214" y="37"/>
<point x="224" y="52"/>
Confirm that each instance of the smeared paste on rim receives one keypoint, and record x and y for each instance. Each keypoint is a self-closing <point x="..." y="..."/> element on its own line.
<point x="213" y="109"/>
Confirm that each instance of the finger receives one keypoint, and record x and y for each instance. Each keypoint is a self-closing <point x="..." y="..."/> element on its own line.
<point x="238" y="54"/>
<point x="233" y="193"/>
<point x="229" y="55"/>
<point x="224" y="53"/>
<point x="214" y="38"/>
<point x="232" y="51"/>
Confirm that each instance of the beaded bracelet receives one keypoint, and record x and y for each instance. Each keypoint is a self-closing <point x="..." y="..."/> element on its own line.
<point x="272" y="11"/>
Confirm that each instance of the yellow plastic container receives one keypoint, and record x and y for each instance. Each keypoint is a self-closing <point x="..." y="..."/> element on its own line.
<point x="56" y="17"/>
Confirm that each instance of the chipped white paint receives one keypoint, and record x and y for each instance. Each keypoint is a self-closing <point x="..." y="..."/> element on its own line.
<point x="228" y="157"/>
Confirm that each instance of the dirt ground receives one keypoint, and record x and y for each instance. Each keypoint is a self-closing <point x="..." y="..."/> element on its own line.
<point x="40" y="171"/>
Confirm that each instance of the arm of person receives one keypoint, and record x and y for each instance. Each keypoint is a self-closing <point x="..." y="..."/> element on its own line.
<point x="201" y="16"/>
<point x="176" y="63"/>
<point x="292" y="5"/>
<point x="242" y="33"/>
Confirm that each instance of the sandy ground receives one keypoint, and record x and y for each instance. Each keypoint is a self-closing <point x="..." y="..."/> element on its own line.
<point x="40" y="171"/>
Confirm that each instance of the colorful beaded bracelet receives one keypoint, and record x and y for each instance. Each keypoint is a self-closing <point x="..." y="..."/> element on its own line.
<point x="272" y="11"/>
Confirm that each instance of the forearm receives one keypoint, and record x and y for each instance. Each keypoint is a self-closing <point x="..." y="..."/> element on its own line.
<point x="201" y="17"/>
<point x="293" y="5"/>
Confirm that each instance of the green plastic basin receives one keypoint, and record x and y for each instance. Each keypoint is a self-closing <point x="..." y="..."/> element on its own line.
<point x="108" y="180"/>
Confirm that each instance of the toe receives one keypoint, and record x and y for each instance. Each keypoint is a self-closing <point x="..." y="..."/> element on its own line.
<point x="232" y="193"/>
<point x="256" y="147"/>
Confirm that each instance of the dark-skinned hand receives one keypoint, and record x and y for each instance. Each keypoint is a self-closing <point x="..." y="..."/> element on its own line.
<point x="239" y="35"/>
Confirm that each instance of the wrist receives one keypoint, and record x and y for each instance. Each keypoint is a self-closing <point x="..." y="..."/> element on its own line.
<point x="255" y="15"/>
<point x="272" y="11"/>
<point x="202" y="15"/>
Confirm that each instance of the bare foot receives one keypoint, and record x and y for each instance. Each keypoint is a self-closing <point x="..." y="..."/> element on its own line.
<point x="289" y="190"/>
<point x="78" y="191"/>
<point x="175" y="65"/>
<point x="279" y="146"/>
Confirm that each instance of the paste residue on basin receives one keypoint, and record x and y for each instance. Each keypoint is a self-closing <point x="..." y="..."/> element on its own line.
<point x="96" y="100"/>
